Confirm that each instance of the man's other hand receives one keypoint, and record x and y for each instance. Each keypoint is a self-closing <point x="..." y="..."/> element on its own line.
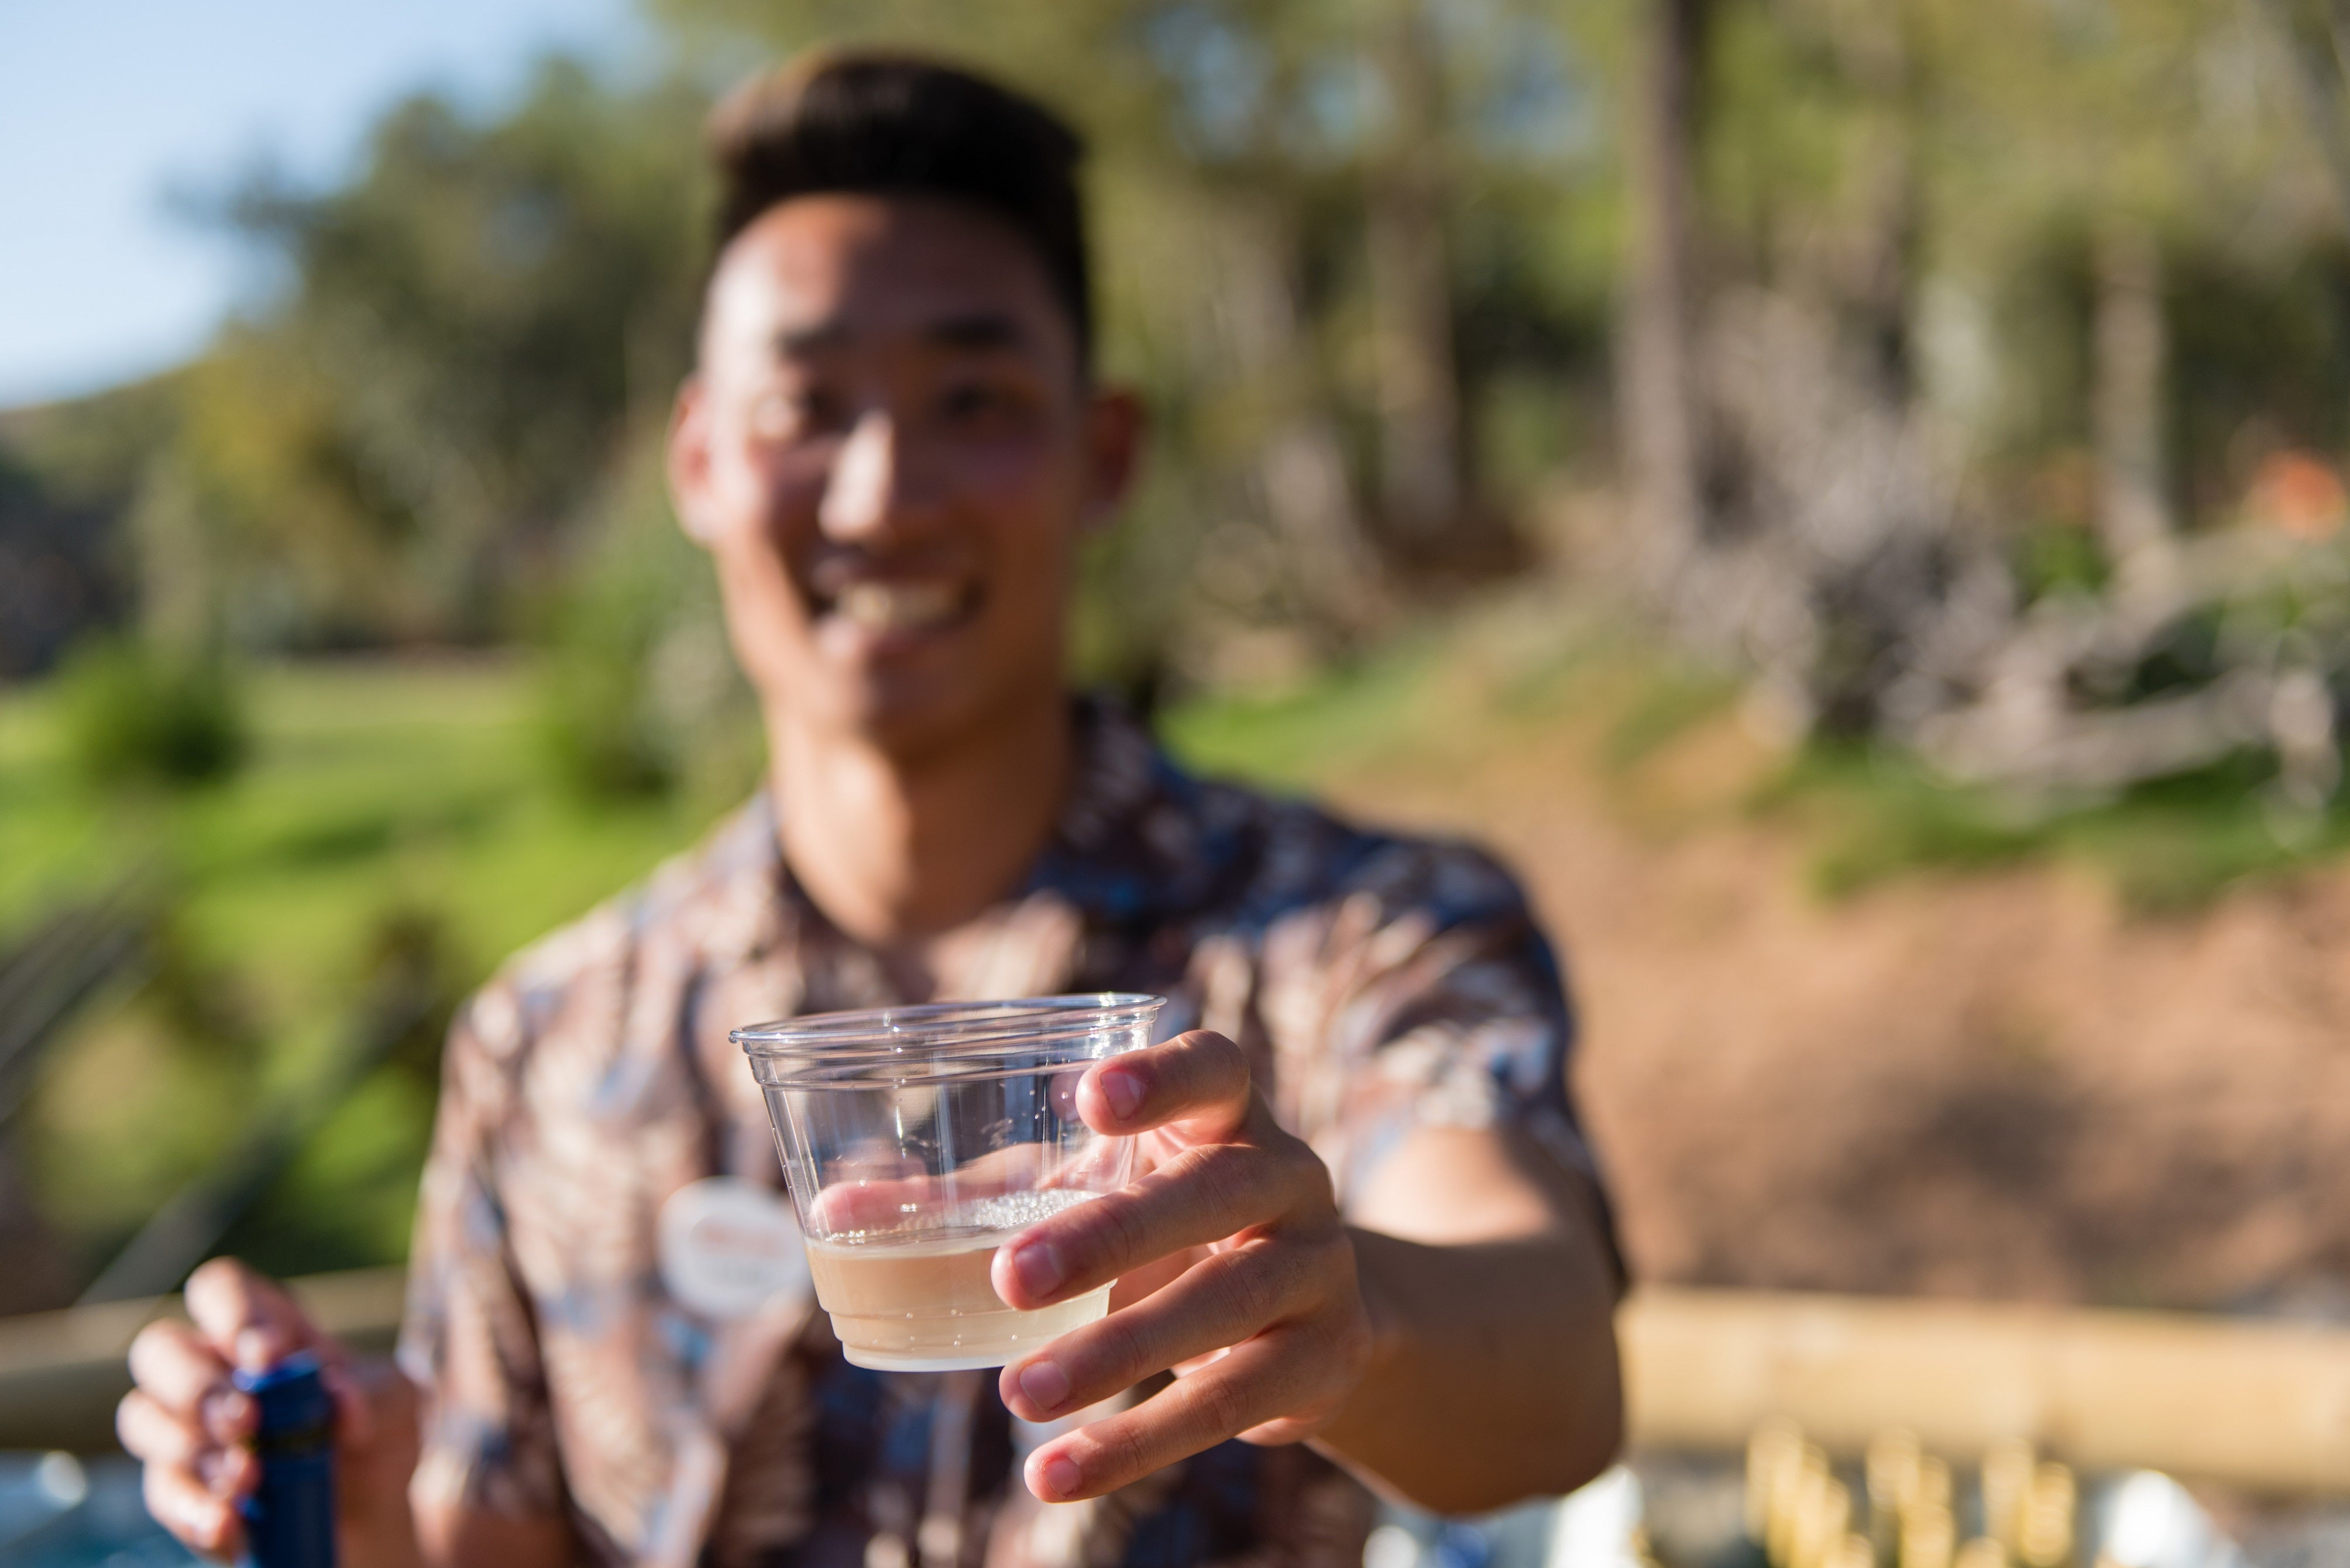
<point x="192" y="1429"/>
<point x="1256" y="1307"/>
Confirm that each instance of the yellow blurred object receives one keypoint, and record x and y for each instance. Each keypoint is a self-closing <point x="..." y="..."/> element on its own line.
<point x="1894" y="1457"/>
<point x="1825" y="1521"/>
<point x="1928" y="1536"/>
<point x="1790" y="1500"/>
<point x="1797" y="1482"/>
<point x="2007" y="1470"/>
<point x="1853" y="1552"/>
<point x="1933" y="1488"/>
<point x="1775" y="1449"/>
<point x="1982" y="1551"/>
<point x="2045" y="1537"/>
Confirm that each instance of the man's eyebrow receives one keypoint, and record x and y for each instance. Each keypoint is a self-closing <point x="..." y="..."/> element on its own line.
<point x="811" y="339"/>
<point x="977" y="329"/>
<point x="973" y="330"/>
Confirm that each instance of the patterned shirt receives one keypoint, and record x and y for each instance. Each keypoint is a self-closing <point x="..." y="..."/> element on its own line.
<point x="1375" y="983"/>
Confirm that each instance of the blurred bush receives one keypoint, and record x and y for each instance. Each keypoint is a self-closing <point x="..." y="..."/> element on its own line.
<point x="134" y="715"/>
<point x="639" y="694"/>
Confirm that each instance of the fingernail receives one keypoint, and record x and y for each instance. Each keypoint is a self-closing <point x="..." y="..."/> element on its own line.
<point x="1059" y="1473"/>
<point x="1123" y="1090"/>
<point x="228" y="1412"/>
<point x="211" y="1469"/>
<point x="1038" y="1264"/>
<point x="1045" y="1383"/>
<point x="253" y="1346"/>
<point x="208" y="1520"/>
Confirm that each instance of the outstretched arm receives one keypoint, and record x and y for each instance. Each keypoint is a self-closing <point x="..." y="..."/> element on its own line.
<point x="1455" y="1348"/>
<point x="1492" y="1374"/>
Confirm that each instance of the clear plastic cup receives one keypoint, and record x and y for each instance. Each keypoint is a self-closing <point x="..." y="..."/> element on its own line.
<point x="917" y="1140"/>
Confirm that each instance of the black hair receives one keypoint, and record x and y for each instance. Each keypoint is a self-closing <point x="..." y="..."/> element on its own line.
<point x="890" y="123"/>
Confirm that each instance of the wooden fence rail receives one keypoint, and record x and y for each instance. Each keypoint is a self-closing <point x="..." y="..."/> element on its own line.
<point x="2264" y="1406"/>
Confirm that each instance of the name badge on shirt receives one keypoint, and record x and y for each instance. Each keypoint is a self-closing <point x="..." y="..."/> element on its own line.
<point x="729" y="1248"/>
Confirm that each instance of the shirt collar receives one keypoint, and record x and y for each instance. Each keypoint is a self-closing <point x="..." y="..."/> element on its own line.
<point x="1135" y="843"/>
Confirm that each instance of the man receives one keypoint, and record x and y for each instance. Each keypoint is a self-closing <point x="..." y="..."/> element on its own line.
<point x="1369" y="1246"/>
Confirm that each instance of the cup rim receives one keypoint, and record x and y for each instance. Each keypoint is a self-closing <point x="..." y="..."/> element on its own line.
<point x="943" y="1031"/>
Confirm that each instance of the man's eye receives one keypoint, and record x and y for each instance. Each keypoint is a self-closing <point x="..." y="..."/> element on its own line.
<point x="979" y="400"/>
<point x="788" y="414"/>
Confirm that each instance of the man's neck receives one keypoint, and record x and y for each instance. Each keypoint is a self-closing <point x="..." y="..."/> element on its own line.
<point x="894" y="850"/>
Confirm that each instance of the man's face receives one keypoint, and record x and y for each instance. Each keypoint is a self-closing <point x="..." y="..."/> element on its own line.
<point x="891" y="451"/>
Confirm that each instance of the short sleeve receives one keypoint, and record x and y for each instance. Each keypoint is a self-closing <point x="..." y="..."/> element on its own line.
<point x="1424" y="993"/>
<point x="469" y="1340"/>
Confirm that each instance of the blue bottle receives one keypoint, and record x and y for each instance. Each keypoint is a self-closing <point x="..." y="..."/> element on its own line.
<point x="289" y="1520"/>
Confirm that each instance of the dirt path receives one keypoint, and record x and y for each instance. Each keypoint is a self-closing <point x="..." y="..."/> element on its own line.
<point x="1993" y="1086"/>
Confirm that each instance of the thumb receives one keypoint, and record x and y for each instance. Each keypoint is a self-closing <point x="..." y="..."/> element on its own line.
<point x="251" y="1321"/>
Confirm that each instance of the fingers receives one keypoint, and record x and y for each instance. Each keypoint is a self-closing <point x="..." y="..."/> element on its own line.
<point x="253" y="1323"/>
<point x="153" y="1433"/>
<point x="1205" y="1194"/>
<point x="182" y="1371"/>
<point x="1276" y="1377"/>
<point x="249" y="1319"/>
<point x="188" y="1425"/>
<point x="179" y="1503"/>
<point x="1224" y="1299"/>
<point x="1199" y="1080"/>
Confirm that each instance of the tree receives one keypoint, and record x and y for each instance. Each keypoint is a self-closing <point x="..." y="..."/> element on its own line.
<point x="401" y="437"/>
<point x="1420" y="477"/>
<point x="1663" y="415"/>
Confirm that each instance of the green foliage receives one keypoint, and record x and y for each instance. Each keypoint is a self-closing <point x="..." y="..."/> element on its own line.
<point x="1666" y="704"/>
<point x="1306" y="734"/>
<point x="136" y="717"/>
<point x="398" y="446"/>
<point x="639" y="692"/>
<point x="392" y="825"/>
<point x="2166" y="847"/>
<point x="2056" y="559"/>
<point x="600" y="733"/>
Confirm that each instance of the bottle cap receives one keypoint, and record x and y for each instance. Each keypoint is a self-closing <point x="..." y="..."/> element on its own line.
<point x="296" y="1410"/>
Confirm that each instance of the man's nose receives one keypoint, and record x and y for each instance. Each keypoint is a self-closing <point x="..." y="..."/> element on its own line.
<point x="874" y="489"/>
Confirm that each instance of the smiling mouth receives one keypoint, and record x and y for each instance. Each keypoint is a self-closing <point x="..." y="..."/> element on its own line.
<point x="883" y="606"/>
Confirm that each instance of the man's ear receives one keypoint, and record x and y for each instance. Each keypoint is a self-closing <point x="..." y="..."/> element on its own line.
<point x="1116" y="424"/>
<point x="689" y="464"/>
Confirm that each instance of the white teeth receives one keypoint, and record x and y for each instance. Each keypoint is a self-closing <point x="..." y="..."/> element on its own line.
<point x="898" y="607"/>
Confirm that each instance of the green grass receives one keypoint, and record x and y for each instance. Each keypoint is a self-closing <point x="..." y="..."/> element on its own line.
<point x="1299" y="737"/>
<point x="2165" y="848"/>
<point x="377" y="796"/>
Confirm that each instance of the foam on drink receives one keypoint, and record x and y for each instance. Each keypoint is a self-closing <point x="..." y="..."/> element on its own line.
<point x="920" y="1299"/>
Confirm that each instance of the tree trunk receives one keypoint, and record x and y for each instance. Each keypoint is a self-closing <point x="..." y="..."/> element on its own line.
<point x="1411" y="295"/>
<point x="2315" y="36"/>
<point x="2131" y="351"/>
<point x="178" y="613"/>
<point x="1301" y="468"/>
<point x="1881" y="265"/>
<point x="1664" y="435"/>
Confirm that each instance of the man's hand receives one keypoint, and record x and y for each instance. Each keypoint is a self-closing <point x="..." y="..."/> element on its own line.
<point x="1260" y="1315"/>
<point x="193" y="1428"/>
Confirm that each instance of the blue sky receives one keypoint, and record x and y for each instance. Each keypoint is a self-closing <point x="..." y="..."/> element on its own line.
<point x="106" y="105"/>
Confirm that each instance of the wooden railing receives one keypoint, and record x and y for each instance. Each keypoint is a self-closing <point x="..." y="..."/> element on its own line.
<point x="2261" y="1405"/>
